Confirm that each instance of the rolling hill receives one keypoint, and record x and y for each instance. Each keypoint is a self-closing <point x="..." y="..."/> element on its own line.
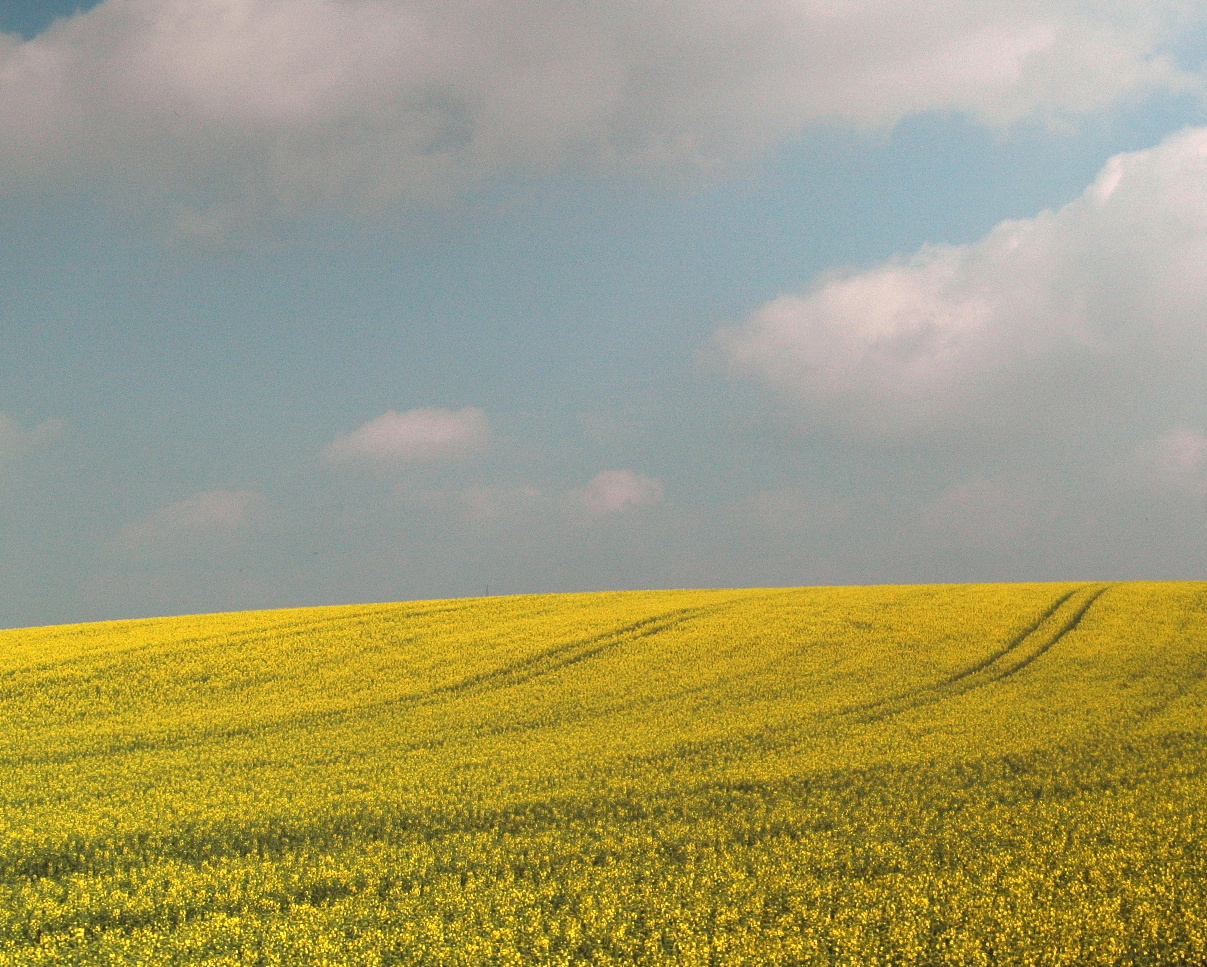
<point x="973" y="774"/>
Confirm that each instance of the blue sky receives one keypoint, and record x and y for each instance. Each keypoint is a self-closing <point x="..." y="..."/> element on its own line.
<point x="314" y="301"/>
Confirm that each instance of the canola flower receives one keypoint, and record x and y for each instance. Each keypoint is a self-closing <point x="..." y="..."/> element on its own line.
<point x="973" y="775"/>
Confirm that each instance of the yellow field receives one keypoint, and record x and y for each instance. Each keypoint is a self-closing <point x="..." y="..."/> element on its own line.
<point x="991" y="775"/>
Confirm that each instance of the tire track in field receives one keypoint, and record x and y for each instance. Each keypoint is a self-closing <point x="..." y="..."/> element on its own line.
<point x="1039" y="637"/>
<point x="1190" y="682"/>
<point x="629" y="704"/>
<point x="1010" y="646"/>
<point x="292" y="628"/>
<point x="540" y="664"/>
<point x="1061" y="618"/>
<point x="558" y="657"/>
<point x="1058" y="620"/>
<point x="1081" y="609"/>
<point x="569" y="653"/>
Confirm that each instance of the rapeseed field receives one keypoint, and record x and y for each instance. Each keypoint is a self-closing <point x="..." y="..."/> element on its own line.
<point x="974" y="775"/>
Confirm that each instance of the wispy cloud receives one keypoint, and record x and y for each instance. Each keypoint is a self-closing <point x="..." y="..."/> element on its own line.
<point x="421" y="435"/>
<point x="359" y="103"/>
<point x="17" y="442"/>
<point x="792" y="512"/>
<point x="499" y="503"/>
<point x="1175" y="462"/>
<point x="212" y="519"/>
<point x="980" y="512"/>
<point x="1047" y="319"/>
<point x="615" y="492"/>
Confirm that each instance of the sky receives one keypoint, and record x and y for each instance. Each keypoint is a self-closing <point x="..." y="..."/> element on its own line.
<point x="308" y="302"/>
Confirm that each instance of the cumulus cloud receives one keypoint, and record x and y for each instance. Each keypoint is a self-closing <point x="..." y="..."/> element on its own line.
<point x="17" y="442"/>
<point x="214" y="518"/>
<point x="615" y="492"/>
<point x="1091" y="306"/>
<point x="233" y="105"/>
<point x="421" y="435"/>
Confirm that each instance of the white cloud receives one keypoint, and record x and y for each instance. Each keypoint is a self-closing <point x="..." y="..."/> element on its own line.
<point x="234" y="105"/>
<point x="616" y="491"/>
<point x="1174" y="462"/>
<point x="416" y="436"/>
<point x="214" y="518"/>
<point x="1102" y="302"/>
<point x="17" y="442"/>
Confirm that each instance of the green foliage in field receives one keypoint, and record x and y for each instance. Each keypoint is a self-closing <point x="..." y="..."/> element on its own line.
<point x="982" y="775"/>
